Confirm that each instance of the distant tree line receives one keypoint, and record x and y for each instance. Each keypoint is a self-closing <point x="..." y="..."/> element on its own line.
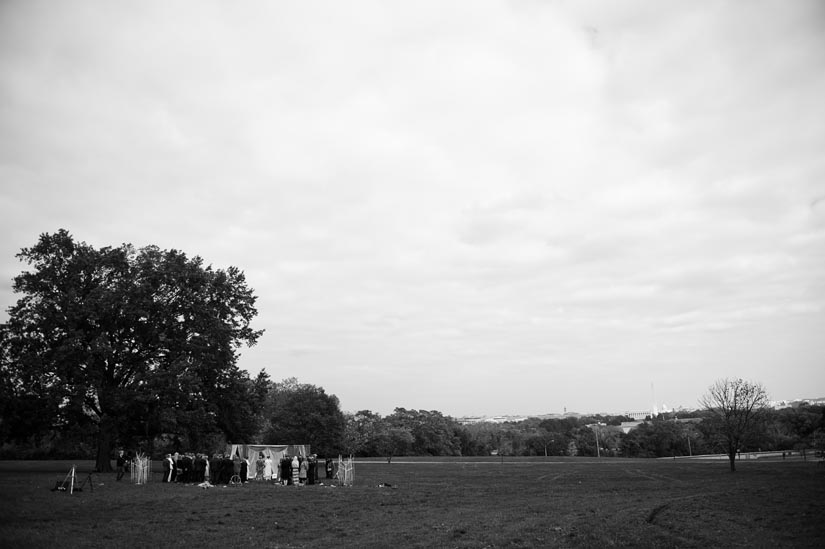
<point x="137" y="348"/>
<point x="419" y="432"/>
<point x="291" y="412"/>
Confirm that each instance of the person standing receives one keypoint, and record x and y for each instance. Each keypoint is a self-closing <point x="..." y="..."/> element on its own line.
<point x="227" y="469"/>
<point x="260" y="466"/>
<point x="286" y="470"/>
<point x="312" y="469"/>
<point x="236" y="467"/>
<point x="165" y="462"/>
<point x="303" y="468"/>
<point x="184" y="469"/>
<point x="168" y="468"/>
<point x="214" y="469"/>
<point x="121" y="465"/>
<point x="268" y="467"/>
<point x="244" y="473"/>
<point x="204" y="473"/>
<point x="295" y="465"/>
<point x="198" y="468"/>
<point x="175" y="472"/>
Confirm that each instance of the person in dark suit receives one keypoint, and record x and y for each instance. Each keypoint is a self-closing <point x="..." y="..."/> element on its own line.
<point x="215" y="469"/>
<point x="227" y="469"/>
<point x="121" y="465"/>
<point x="198" y="468"/>
<point x="184" y="469"/>
<point x="312" y="469"/>
<point x="244" y="472"/>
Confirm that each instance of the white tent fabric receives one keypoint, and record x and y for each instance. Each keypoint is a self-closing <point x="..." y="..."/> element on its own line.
<point x="275" y="452"/>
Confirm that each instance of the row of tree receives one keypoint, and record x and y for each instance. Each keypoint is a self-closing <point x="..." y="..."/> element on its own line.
<point x="419" y="432"/>
<point x="292" y="412"/>
<point x="289" y="411"/>
<point x="120" y="346"/>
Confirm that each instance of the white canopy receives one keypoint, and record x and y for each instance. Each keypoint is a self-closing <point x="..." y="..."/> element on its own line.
<point x="275" y="452"/>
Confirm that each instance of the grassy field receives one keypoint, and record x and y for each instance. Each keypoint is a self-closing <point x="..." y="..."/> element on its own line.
<point x="457" y="502"/>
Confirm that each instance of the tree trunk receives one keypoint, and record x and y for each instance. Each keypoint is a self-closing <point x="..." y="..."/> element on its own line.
<point x="732" y="457"/>
<point x="105" y="440"/>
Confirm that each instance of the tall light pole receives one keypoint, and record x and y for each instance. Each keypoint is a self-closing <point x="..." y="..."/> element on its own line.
<point x="547" y="443"/>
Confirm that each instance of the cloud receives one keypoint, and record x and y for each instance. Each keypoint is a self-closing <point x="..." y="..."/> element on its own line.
<point x="446" y="191"/>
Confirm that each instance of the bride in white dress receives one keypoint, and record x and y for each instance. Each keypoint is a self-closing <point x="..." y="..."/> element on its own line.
<point x="268" y="468"/>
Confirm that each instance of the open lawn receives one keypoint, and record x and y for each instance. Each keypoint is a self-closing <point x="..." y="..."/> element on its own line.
<point x="455" y="502"/>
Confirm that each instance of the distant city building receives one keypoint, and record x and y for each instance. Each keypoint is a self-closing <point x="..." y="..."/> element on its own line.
<point x="468" y="420"/>
<point x="638" y="416"/>
<point x="628" y="426"/>
<point x="780" y="404"/>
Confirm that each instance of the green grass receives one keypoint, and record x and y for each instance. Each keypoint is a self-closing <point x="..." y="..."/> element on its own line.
<point x="434" y="503"/>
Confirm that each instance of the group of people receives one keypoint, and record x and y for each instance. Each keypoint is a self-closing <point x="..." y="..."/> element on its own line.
<point x="290" y="470"/>
<point x="224" y="469"/>
<point x="188" y="468"/>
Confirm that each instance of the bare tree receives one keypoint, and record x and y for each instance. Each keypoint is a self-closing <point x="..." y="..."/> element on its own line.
<point x="737" y="404"/>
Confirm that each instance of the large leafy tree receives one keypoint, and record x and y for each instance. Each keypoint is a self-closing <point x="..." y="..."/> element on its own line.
<point x="433" y="433"/>
<point x="305" y="414"/>
<point x="123" y="339"/>
<point x="736" y="406"/>
<point x="368" y="434"/>
<point x="362" y="431"/>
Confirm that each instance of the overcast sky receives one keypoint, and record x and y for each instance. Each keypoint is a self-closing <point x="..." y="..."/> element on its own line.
<point x="477" y="207"/>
